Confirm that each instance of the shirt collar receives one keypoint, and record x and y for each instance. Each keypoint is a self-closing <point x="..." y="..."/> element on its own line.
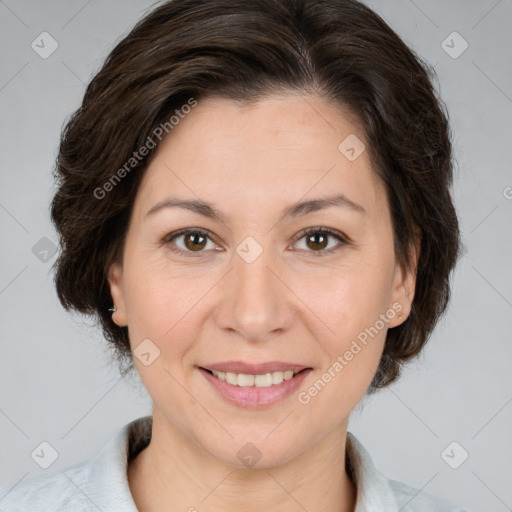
<point x="111" y="489"/>
<point x="374" y="493"/>
<point x="107" y="484"/>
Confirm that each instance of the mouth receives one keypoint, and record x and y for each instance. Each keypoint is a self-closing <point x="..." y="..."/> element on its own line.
<point x="262" y="380"/>
<point x="260" y="387"/>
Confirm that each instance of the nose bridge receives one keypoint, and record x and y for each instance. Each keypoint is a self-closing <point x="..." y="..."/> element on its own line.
<point x="255" y="299"/>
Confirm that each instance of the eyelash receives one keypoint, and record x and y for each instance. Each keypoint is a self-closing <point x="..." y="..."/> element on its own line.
<point x="310" y="231"/>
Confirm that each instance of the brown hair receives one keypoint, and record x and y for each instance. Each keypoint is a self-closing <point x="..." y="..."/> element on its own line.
<point x="243" y="50"/>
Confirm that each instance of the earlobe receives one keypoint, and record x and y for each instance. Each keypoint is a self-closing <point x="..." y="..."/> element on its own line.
<point x="404" y="286"/>
<point x="115" y="280"/>
<point x="403" y="295"/>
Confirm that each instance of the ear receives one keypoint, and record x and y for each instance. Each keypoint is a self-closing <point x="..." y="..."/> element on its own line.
<point x="115" y="280"/>
<point x="404" y="284"/>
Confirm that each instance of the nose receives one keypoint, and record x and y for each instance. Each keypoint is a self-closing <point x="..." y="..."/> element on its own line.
<point x="255" y="300"/>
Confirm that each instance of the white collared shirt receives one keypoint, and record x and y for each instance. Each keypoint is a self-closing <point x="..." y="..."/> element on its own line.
<point x="101" y="484"/>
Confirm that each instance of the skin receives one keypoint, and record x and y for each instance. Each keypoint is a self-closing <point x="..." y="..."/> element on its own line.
<point x="288" y="305"/>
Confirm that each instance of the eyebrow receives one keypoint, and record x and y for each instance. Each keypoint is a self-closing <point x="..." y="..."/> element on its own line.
<point x="295" y="210"/>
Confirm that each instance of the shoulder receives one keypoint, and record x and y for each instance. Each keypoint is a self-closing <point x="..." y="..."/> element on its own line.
<point x="376" y="492"/>
<point x="97" y="484"/>
<point x="411" y="499"/>
<point x="56" y="491"/>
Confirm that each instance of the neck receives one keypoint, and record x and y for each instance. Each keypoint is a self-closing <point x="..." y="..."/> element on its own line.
<point x="175" y="471"/>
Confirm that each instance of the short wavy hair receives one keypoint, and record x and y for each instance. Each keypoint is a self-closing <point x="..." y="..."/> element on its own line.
<point x="243" y="51"/>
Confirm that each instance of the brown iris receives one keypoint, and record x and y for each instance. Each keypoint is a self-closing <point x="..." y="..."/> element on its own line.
<point x="317" y="245"/>
<point x="195" y="244"/>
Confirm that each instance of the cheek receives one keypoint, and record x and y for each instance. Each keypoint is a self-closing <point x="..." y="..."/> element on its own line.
<point x="157" y="305"/>
<point x="350" y="303"/>
<point x="163" y="308"/>
<point x="163" y="305"/>
<point x="351" y="297"/>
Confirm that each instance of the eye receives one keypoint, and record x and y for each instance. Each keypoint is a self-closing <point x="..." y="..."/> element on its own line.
<point x="317" y="239"/>
<point x="194" y="240"/>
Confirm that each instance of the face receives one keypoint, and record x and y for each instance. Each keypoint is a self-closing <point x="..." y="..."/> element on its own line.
<point x="249" y="285"/>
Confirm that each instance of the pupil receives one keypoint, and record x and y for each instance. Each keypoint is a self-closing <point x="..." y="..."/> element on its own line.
<point x="318" y="245"/>
<point x="194" y="244"/>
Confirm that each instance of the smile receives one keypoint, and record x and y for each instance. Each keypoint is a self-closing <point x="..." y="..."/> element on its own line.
<point x="264" y="380"/>
<point x="255" y="391"/>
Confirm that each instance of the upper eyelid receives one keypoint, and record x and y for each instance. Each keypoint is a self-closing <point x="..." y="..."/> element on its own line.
<point x="322" y="229"/>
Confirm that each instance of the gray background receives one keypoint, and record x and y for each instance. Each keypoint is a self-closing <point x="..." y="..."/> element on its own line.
<point x="57" y="384"/>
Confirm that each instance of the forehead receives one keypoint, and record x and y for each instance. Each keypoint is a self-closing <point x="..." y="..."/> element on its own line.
<point x="279" y="149"/>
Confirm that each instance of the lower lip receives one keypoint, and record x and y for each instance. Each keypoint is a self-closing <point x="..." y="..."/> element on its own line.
<point x="253" y="397"/>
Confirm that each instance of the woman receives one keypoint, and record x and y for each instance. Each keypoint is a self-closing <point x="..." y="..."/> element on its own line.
<point x="254" y="198"/>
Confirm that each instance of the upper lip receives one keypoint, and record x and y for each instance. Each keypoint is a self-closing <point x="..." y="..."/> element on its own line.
<point x="254" y="369"/>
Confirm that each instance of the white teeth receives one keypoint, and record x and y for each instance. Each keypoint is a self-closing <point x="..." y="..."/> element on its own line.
<point x="288" y="375"/>
<point x="260" y="381"/>
<point x="245" y="380"/>
<point x="277" y="377"/>
<point x="231" y="378"/>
